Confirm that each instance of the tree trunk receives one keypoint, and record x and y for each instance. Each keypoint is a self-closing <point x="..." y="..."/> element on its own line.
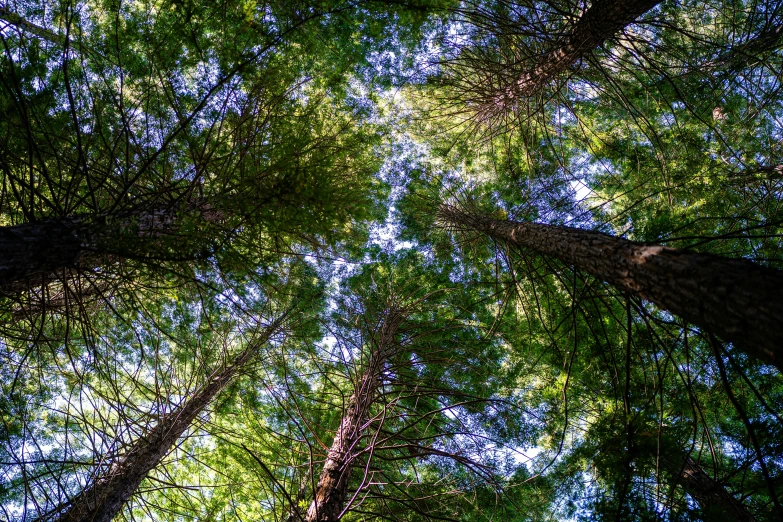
<point x="34" y="254"/>
<point x="716" y="503"/>
<point x="602" y="20"/>
<point x="41" y="32"/>
<point x="105" y="498"/>
<point x="736" y="299"/>
<point x="330" y="492"/>
<point x="746" y="54"/>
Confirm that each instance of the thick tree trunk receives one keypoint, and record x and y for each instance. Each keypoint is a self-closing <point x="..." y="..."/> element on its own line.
<point x="105" y="498"/>
<point x="602" y="20"/>
<point x="716" y="503"/>
<point x="34" y="254"/>
<point x="747" y="54"/>
<point x="330" y="492"/>
<point x="736" y="299"/>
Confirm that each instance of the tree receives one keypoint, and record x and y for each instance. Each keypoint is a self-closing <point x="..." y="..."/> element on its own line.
<point x="548" y="347"/>
<point x="116" y="405"/>
<point x="330" y="492"/>
<point x="400" y="390"/>
<point x="694" y="286"/>
<point x="166" y="169"/>
<point x="110" y="490"/>
<point x="425" y="434"/>
<point x="521" y="48"/>
<point x="713" y="498"/>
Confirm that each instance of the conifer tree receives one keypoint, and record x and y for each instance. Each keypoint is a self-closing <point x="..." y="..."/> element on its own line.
<point x="733" y="298"/>
<point x="102" y="500"/>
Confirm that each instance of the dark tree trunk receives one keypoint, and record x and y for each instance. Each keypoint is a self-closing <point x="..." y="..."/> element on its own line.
<point x="747" y="54"/>
<point x="330" y="492"/>
<point x="34" y="254"/>
<point x="736" y="299"/>
<point x="602" y="20"/>
<point x="716" y="503"/>
<point x="105" y="498"/>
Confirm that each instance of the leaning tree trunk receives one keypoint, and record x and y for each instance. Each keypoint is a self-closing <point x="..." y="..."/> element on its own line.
<point x="35" y="254"/>
<point x="105" y="498"/>
<point x="602" y="20"/>
<point x="736" y="299"/>
<point x="500" y="87"/>
<point x="330" y="492"/>
<point x="747" y="53"/>
<point x="716" y="503"/>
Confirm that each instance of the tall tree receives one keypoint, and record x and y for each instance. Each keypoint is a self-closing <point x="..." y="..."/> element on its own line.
<point x="599" y="22"/>
<point x="733" y="298"/>
<point x="166" y="167"/>
<point x="106" y="496"/>
<point x="714" y="500"/>
<point x="427" y="428"/>
<point x="330" y="492"/>
<point x="521" y="48"/>
<point x="145" y="148"/>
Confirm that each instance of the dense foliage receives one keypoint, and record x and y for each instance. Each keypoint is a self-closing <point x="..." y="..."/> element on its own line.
<point x="258" y="260"/>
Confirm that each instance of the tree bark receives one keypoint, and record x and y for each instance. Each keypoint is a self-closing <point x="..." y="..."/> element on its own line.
<point x="33" y="254"/>
<point x="105" y="498"/>
<point x="602" y="20"/>
<point x="736" y="299"/>
<point x="330" y="492"/>
<point x="716" y="503"/>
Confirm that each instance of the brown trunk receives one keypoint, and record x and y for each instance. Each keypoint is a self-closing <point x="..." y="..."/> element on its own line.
<point x="716" y="503"/>
<point x="602" y="20"/>
<point x="330" y="492"/>
<point x="105" y="498"/>
<point x="736" y="299"/>
<point x="747" y="54"/>
<point x="35" y="254"/>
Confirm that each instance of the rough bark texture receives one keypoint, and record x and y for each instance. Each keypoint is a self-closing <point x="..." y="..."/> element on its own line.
<point x="602" y="20"/>
<point x="34" y="254"/>
<point x="716" y="503"/>
<point x="105" y="498"/>
<point x="332" y="485"/>
<point x="736" y="299"/>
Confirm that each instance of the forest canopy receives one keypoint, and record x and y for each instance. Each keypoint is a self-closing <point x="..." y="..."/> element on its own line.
<point x="391" y="260"/>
